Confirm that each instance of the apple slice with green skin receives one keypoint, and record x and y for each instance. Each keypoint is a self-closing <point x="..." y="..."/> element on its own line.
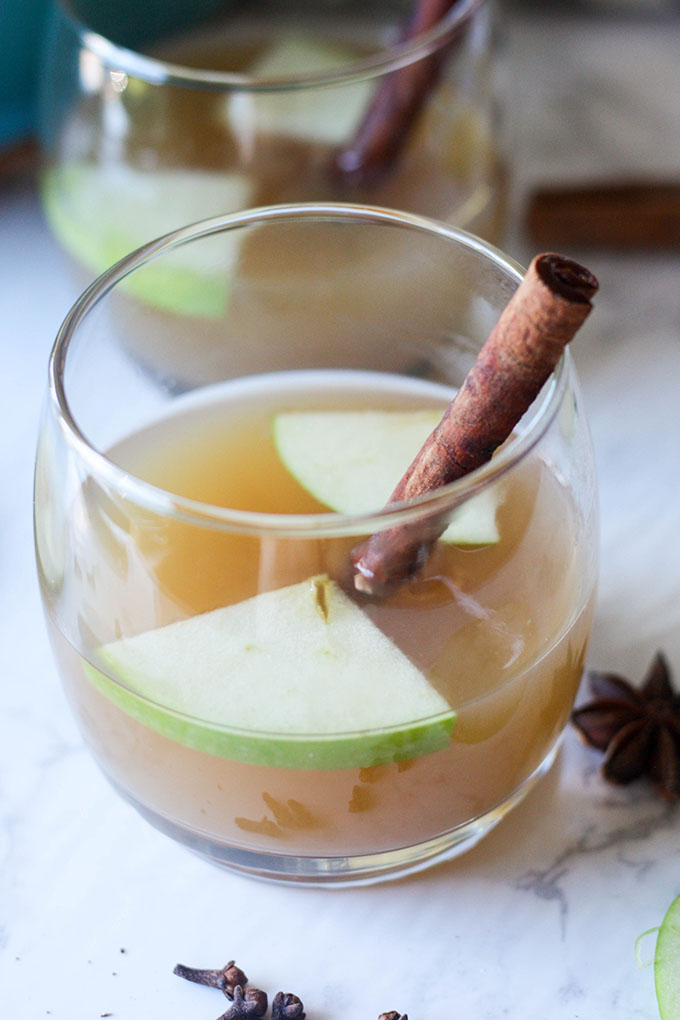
<point x="100" y="214"/>
<point x="667" y="964"/>
<point x="352" y="460"/>
<point x="328" y="116"/>
<point x="298" y="677"/>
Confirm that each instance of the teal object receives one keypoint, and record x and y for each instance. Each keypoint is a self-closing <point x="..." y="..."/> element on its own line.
<point x="128" y="23"/>
<point x="134" y="25"/>
<point x="21" y="25"/>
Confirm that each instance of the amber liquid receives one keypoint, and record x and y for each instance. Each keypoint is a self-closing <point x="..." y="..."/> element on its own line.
<point x="136" y="162"/>
<point x="449" y="166"/>
<point x="500" y="630"/>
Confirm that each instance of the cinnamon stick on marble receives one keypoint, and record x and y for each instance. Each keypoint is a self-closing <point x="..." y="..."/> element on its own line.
<point x="610" y="214"/>
<point x="524" y="347"/>
<point x="396" y="104"/>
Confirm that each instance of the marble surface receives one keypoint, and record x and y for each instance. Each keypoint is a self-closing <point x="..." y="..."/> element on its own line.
<point x="538" y="921"/>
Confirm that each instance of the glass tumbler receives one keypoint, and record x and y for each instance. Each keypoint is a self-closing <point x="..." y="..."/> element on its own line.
<point x="193" y="546"/>
<point x="154" y="119"/>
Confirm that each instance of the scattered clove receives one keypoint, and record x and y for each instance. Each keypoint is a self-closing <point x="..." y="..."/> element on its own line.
<point x="252" y="1002"/>
<point x="287" y="1006"/>
<point x="246" y="1002"/>
<point x="226" y="979"/>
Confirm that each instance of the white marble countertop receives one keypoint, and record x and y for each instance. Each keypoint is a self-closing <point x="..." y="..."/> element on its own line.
<point x="540" y="920"/>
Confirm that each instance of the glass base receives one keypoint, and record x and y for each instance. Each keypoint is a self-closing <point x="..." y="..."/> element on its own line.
<point x="341" y="871"/>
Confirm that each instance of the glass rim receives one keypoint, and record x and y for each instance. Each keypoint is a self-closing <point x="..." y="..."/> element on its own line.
<point x="157" y="71"/>
<point x="325" y="525"/>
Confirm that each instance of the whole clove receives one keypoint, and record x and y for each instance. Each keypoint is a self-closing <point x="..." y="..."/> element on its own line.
<point x="252" y="1002"/>
<point x="226" y="979"/>
<point x="246" y="1002"/>
<point x="287" y="1006"/>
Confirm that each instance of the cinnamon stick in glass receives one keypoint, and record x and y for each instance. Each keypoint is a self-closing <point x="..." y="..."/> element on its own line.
<point x="523" y="349"/>
<point x="396" y="103"/>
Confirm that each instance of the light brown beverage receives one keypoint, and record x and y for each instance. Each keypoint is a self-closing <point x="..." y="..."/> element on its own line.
<point x="134" y="159"/>
<point x="448" y="167"/>
<point x="499" y="630"/>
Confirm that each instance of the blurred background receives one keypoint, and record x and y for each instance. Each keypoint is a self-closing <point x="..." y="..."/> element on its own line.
<point x="598" y="59"/>
<point x="22" y="21"/>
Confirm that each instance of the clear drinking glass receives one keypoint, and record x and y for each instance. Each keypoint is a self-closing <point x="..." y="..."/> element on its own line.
<point x="152" y="121"/>
<point x="193" y="547"/>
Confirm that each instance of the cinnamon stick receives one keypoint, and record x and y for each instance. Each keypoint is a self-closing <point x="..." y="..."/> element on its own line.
<point x="396" y="103"/>
<point x="523" y="349"/>
<point x="611" y="214"/>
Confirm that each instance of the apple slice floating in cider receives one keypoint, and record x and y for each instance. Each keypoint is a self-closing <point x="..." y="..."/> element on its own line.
<point x="352" y="460"/>
<point x="298" y="677"/>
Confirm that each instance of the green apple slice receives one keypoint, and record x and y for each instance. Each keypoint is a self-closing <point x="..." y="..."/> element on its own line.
<point x="352" y="460"/>
<point x="99" y="214"/>
<point x="298" y="677"/>
<point x="327" y="115"/>
<point x="667" y="964"/>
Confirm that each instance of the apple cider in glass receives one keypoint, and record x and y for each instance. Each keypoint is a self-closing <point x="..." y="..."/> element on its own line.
<point x="195" y="566"/>
<point x="215" y="108"/>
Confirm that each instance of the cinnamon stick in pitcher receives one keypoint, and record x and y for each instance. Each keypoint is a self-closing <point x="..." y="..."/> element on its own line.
<point x="396" y="103"/>
<point x="524" y="347"/>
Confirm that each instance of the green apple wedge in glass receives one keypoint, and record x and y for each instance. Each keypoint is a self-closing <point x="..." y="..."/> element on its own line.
<point x="193" y="549"/>
<point x="152" y="123"/>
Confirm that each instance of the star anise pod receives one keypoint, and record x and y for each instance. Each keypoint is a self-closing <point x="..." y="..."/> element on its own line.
<point x="637" y="728"/>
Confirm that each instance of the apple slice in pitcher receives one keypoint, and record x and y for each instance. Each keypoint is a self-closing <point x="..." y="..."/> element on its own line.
<point x="99" y="214"/>
<point x="330" y="116"/>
